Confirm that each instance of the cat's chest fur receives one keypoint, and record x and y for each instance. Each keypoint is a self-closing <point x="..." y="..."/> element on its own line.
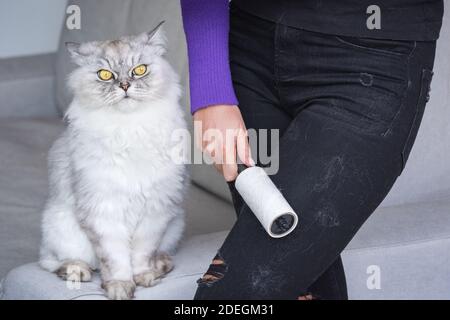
<point x="130" y="152"/>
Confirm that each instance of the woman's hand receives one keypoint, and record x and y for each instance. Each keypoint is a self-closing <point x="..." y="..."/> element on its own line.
<point x="223" y="136"/>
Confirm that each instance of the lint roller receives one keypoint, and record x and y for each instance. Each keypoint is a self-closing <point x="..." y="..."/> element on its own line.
<point x="266" y="201"/>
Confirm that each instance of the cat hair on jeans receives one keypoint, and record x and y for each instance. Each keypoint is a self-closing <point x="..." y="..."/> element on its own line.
<point x="115" y="192"/>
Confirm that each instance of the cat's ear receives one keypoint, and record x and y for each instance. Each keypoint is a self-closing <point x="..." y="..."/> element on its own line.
<point x="157" y="39"/>
<point x="74" y="51"/>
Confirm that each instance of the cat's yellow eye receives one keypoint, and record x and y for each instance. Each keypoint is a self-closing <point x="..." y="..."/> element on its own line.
<point x="105" y="75"/>
<point x="140" y="70"/>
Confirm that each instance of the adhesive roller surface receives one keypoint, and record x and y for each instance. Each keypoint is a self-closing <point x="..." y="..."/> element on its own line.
<point x="266" y="201"/>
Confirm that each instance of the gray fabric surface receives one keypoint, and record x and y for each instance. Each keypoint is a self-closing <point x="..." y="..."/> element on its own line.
<point x="23" y="187"/>
<point x="27" y="86"/>
<point x="415" y="270"/>
<point x="31" y="282"/>
<point x="404" y="224"/>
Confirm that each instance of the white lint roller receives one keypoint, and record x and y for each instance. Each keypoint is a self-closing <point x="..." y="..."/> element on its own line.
<point x="266" y="201"/>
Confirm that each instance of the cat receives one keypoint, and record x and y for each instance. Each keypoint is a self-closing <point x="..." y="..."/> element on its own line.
<point x="115" y="194"/>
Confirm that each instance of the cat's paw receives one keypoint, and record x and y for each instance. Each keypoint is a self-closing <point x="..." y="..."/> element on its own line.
<point x="119" y="290"/>
<point x="147" y="278"/>
<point x="75" y="270"/>
<point x="159" y="266"/>
<point x="162" y="263"/>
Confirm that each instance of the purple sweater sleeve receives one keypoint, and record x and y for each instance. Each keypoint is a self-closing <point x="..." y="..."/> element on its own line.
<point x="206" y="25"/>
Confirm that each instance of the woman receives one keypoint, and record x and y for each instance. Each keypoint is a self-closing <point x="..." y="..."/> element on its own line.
<point x="346" y="84"/>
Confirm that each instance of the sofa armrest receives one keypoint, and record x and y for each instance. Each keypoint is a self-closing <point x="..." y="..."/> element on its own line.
<point x="27" y="86"/>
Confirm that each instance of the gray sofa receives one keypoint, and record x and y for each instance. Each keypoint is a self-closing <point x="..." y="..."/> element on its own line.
<point x="402" y="252"/>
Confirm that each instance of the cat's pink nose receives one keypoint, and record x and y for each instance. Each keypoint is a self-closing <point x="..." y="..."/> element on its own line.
<point x="124" y="85"/>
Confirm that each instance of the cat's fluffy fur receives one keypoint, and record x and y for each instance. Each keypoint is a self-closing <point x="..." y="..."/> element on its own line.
<point x="115" y="192"/>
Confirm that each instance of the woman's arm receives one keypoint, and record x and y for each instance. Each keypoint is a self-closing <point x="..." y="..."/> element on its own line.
<point x="213" y="102"/>
<point x="206" y="24"/>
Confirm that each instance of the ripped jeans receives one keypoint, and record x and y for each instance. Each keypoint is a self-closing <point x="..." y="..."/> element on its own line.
<point x="348" y="110"/>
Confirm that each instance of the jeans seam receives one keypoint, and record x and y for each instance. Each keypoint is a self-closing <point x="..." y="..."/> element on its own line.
<point x="423" y="86"/>
<point x="405" y="91"/>
<point x="373" y="50"/>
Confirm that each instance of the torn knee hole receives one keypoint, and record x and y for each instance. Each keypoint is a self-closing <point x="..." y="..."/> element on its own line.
<point x="217" y="261"/>
<point x="215" y="272"/>
<point x="207" y="277"/>
<point x="308" y="296"/>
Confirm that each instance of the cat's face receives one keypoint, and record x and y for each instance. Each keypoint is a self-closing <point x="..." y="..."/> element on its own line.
<point x="120" y="72"/>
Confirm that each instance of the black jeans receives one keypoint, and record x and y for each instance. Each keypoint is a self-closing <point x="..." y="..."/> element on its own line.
<point x="348" y="110"/>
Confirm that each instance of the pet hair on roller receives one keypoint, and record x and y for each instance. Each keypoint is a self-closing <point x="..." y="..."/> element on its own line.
<point x="266" y="201"/>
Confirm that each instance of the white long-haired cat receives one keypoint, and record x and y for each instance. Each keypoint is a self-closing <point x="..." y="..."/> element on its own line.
<point x="115" y="192"/>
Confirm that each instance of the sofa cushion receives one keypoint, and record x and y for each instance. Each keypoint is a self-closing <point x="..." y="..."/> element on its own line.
<point x="31" y="282"/>
<point x="27" y="86"/>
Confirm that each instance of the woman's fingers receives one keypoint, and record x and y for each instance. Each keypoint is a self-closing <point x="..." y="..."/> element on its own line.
<point x="223" y="137"/>
<point x="223" y="147"/>
<point x="223" y="152"/>
<point x="229" y="166"/>
<point x="243" y="148"/>
<point x="214" y="150"/>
